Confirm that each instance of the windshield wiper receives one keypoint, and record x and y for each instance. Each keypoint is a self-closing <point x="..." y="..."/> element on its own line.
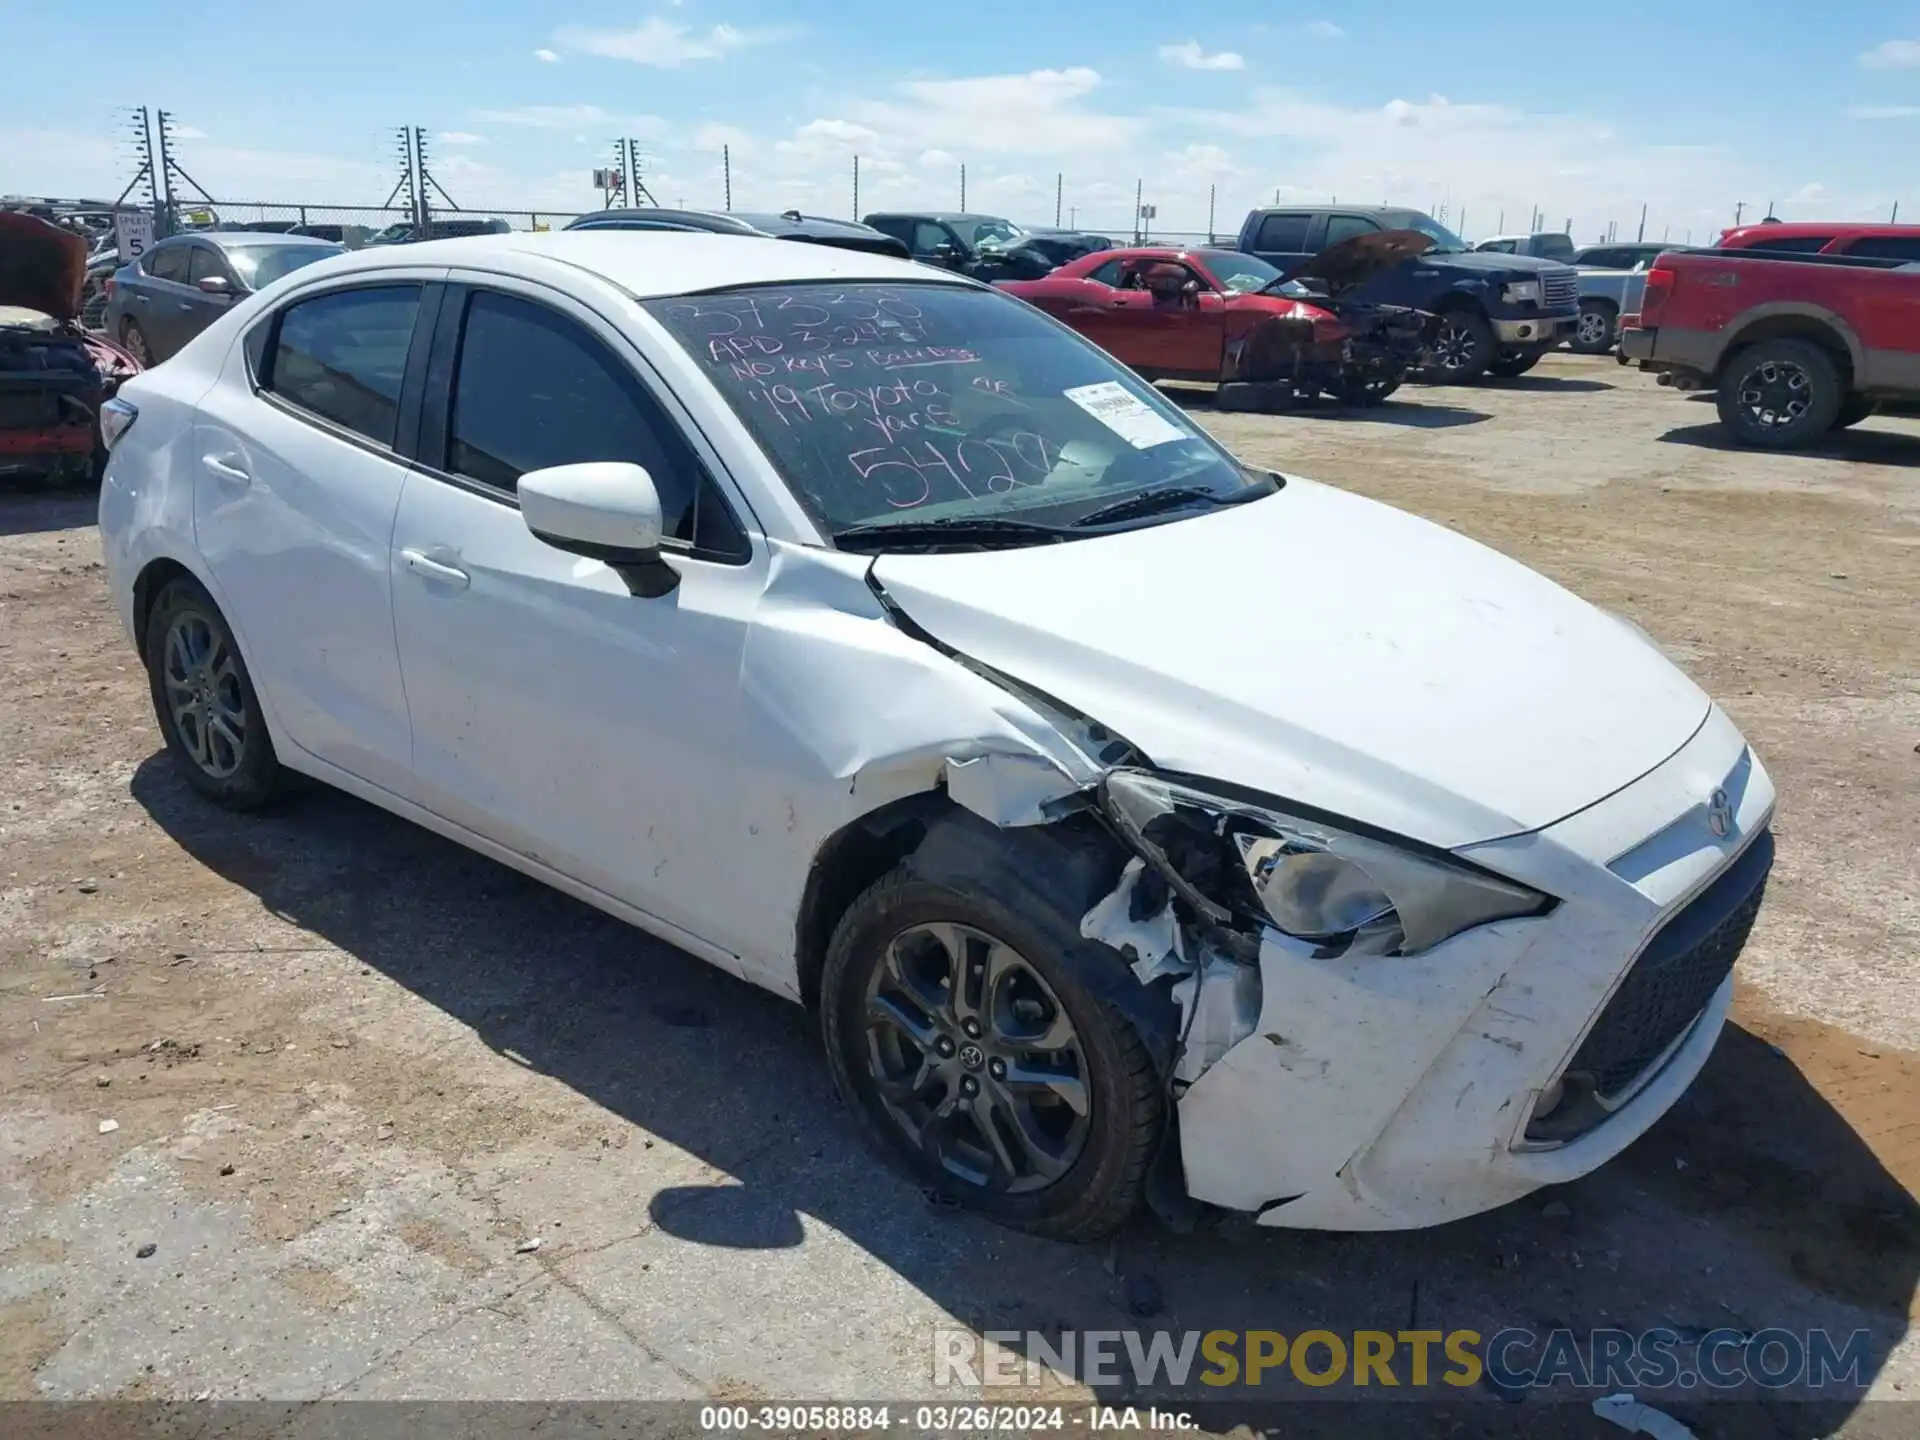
<point x="949" y="529"/>
<point x="1167" y="497"/>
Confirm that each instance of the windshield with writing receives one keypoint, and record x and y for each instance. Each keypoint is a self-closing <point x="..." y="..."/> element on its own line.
<point x="913" y="402"/>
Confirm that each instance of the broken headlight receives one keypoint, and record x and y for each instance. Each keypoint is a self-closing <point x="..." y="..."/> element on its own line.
<point x="1349" y="892"/>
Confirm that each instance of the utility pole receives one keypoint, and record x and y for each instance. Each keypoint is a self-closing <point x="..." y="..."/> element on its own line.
<point x="726" y="173"/>
<point x="1641" y="234"/>
<point x="1211" y="192"/>
<point x="405" y="182"/>
<point x="1462" y="227"/>
<point x="856" y="187"/>
<point x="630" y="168"/>
<point x="1059" y="185"/>
<point x="963" y="186"/>
<point x="1894" y="218"/>
<point x="1137" y="186"/>
<point x="170" y="169"/>
<point x="1501" y="223"/>
<point x="1073" y="218"/>
<point x="1739" y="209"/>
<point x="142" y="125"/>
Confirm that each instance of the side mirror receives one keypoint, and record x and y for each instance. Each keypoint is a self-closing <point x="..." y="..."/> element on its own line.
<point x="216" y="285"/>
<point x="606" y="510"/>
<point x="945" y="253"/>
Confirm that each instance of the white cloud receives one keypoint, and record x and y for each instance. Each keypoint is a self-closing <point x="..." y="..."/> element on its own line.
<point x="1189" y="55"/>
<point x="460" y="137"/>
<point x="1883" y="112"/>
<point x="546" y="56"/>
<point x="568" y="117"/>
<point x="1893" y="55"/>
<point x="666" y="44"/>
<point x="1326" y="30"/>
<point x="188" y="132"/>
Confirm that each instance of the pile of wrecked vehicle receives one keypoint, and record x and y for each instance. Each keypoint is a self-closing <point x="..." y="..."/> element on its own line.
<point x="54" y="375"/>
<point x="1267" y="339"/>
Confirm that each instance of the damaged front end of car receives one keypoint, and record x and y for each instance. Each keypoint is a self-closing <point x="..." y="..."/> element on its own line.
<point x="54" y="375"/>
<point x="1325" y="342"/>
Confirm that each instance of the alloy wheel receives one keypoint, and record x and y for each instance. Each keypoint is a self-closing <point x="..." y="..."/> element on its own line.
<point x="1593" y="328"/>
<point x="1455" y="346"/>
<point x="135" y="340"/>
<point x="975" y="1059"/>
<point x="204" y="695"/>
<point x="1776" y="394"/>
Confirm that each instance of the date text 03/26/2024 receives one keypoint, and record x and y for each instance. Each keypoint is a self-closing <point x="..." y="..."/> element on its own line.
<point x="961" y="1419"/>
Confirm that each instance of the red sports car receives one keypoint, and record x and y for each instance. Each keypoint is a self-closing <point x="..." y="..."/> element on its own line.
<point x="1231" y="318"/>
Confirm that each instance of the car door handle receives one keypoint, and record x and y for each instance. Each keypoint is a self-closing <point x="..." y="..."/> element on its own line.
<point x="428" y="568"/>
<point x="226" y="470"/>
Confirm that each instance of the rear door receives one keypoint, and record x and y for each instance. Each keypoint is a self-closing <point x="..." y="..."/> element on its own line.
<point x="1286" y="237"/>
<point x="297" y="478"/>
<point x="198" y="309"/>
<point x="158" y="295"/>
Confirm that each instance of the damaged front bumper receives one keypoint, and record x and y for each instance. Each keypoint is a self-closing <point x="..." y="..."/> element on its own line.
<point x="1398" y="1091"/>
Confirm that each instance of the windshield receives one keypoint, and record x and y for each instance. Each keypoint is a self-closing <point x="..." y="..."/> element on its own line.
<point x="1444" y="239"/>
<point x="931" y="402"/>
<point x="1242" y="274"/>
<point x="260" y="265"/>
<point x="993" y="234"/>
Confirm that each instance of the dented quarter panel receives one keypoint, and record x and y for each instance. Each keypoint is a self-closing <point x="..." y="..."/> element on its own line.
<point x="842" y="712"/>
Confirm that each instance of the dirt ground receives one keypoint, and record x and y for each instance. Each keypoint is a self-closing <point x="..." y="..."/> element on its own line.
<point x="338" y="1074"/>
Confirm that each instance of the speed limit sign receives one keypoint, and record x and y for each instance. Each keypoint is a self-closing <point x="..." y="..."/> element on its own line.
<point x="132" y="234"/>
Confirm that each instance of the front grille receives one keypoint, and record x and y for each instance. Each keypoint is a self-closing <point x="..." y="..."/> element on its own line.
<point x="1560" y="287"/>
<point x="1675" y="975"/>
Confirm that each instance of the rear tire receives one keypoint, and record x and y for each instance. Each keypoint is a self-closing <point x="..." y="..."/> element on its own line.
<point x="894" y="955"/>
<point x="205" y="702"/>
<point x="1461" y="348"/>
<point x="135" y="340"/>
<point x="1596" y="330"/>
<point x="1780" y="394"/>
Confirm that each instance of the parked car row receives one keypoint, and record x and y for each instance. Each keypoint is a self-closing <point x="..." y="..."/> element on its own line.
<point x="181" y="285"/>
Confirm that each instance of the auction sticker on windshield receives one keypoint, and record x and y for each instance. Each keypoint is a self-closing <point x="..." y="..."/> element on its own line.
<point x="1125" y="414"/>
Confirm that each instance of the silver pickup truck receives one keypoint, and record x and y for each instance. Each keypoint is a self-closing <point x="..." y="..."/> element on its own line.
<point x="1612" y="277"/>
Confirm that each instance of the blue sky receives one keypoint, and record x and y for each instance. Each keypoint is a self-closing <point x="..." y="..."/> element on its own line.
<point x="1475" y="107"/>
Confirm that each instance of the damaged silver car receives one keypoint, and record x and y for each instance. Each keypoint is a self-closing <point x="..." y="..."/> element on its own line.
<point x="1139" y="822"/>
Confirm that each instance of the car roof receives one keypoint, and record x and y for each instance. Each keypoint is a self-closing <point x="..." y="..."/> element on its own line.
<point x="236" y="239"/>
<point x="652" y="263"/>
<point x="1802" y="229"/>
<point x="947" y="216"/>
<point x="1310" y="209"/>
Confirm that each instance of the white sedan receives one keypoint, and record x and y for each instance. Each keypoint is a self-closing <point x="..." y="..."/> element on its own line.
<point x="875" y="638"/>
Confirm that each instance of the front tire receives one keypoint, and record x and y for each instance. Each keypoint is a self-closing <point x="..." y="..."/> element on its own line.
<point x="1853" y="410"/>
<point x="1462" y="348"/>
<point x="1597" y="328"/>
<point x="205" y="702"/>
<point x="1511" y="366"/>
<point x="1780" y="394"/>
<point x="1364" y="392"/>
<point x="976" y="1060"/>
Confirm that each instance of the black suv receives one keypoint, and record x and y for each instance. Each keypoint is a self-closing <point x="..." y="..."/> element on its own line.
<point x="1492" y="313"/>
<point x="789" y="225"/>
<point x="987" y="247"/>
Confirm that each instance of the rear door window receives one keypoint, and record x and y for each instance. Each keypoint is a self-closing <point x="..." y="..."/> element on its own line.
<point x="1792" y="244"/>
<point x="342" y="356"/>
<point x="1286" y="234"/>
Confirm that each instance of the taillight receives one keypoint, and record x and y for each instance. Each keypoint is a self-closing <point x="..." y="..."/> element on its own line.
<point x="115" y="416"/>
<point x="1660" y="283"/>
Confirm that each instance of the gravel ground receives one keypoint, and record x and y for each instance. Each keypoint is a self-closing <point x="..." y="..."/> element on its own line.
<point x="352" y="1071"/>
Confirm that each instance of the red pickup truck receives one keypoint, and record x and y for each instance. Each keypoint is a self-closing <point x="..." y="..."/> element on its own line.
<point x="1795" y="345"/>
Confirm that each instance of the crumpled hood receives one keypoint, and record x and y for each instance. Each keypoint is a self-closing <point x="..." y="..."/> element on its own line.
<point x="1359" y="258"/>
<point x="42" y="267"/>
<point x="1326" y="649"/>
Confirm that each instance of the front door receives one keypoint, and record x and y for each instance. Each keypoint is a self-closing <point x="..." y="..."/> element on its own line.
<point x="1166" y="333"/>
<point x="553" y="710"/>
<point x="294" y="494"/>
